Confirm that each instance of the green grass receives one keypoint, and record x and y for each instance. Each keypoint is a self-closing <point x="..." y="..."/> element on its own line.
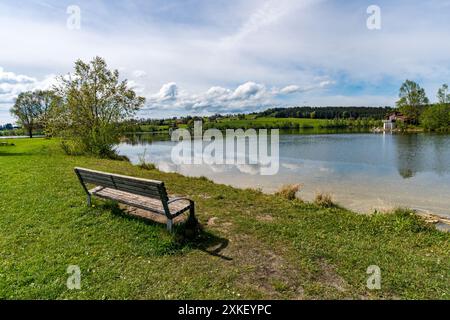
<point x="253" y="245"/>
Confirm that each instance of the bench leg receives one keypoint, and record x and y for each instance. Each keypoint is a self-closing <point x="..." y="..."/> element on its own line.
<point x="88" y="200"/>
<point x="192" y="221"/>
<point x="169" y="225"/>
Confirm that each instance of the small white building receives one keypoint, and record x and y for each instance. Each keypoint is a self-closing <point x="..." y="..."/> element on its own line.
<point x="388" y="125"/>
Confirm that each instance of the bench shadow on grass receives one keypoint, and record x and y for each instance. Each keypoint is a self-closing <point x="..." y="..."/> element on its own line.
<point x="183" y="237"/>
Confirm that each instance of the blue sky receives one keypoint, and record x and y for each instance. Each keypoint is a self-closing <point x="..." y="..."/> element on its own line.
<point x="203" y="57"/>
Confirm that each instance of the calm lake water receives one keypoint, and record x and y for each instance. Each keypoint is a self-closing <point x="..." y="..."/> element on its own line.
<point x="363" y="171"/>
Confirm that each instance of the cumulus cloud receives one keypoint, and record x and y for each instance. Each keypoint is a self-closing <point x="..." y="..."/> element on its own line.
<point x="249" y="90"/>
<point x="11" y="84"/>
<point x="168" y="92"/>
<point x="12" y="78"/>
<point x="249" y="96"/>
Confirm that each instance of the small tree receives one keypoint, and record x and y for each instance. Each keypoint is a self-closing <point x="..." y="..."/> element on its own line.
<point x="443" y="95"/>
<point x="412" y="100"/>
<point x="32" y="109"/>
<point x="25" y="112"/>
<point x="93" y="102"/>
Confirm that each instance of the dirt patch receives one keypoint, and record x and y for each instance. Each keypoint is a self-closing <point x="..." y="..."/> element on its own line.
<point x="147" y="215"/>
<point x="216" y="223"/>
<point x="330" y="277"/>
<point x="263" y="270"/>
<point x="211" y="221"/>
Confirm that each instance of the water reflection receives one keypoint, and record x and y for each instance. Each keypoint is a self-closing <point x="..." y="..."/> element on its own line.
<point x="409" y="153"/>
<point x="422" y="153"/>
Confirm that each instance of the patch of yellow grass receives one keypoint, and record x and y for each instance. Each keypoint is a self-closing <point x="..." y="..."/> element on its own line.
<point x="324" y="200"/>
<point x="289" y="191"/>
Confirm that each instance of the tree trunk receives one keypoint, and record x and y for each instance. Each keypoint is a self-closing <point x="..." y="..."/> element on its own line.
<point x="30" y="132"/>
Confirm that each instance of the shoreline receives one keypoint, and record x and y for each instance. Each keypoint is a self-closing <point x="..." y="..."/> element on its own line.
<point x="440" y="221"/>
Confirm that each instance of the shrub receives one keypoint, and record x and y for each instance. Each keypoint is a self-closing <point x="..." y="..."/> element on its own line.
<point x="203" y="178"/>
<point x="71" y="147"/>
<point x="324" y="200"/>
<point x="143" y="163"/>
<point x="288" y="191"/>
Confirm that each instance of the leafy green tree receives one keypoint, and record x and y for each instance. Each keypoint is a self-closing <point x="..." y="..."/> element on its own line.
<point x="47" y="102"/>
<point x="412" y="100"/>
<point x="443" y="95"/>
<point x="437" y="117"/>
<point x="32" y="109"/>
<point x="25" y="112"/>
<point x="93" y="103"/>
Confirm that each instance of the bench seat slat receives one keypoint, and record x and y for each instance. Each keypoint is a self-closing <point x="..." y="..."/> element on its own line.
<point x="149" y="188"/>
<point x="138" y="201"/>
<point x="84" y="171"/>
<point x="141" y="190"/>
<point x="137" y="183"/>
<point x="100" y="181"/>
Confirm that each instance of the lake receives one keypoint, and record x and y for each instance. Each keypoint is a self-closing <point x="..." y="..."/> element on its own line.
<point x="363" y="171"/>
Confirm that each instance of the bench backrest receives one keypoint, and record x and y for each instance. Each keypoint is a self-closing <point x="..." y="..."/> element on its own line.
<point x="144" y="187"/>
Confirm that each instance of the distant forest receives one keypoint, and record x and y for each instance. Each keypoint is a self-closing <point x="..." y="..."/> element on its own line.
<point x="377" y="113"/>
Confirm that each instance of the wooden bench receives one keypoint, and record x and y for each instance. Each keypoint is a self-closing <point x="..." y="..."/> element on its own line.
<point x="140" y="193"/>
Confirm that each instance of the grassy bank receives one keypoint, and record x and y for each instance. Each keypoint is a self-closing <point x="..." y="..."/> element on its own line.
<point x="289" y="123"/>
<point x="253" y="245"/>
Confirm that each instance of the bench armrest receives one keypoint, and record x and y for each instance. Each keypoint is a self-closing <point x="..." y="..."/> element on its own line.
<point x="178" y="199"/>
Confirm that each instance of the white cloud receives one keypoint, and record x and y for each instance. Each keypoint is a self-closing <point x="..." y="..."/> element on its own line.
<point x="290" y="89"/>
<point x="218" y="93"/>
<point x="11" y="84"/>
<point x="249" y="96"/>
<point x="168" y="92"/>
<point x="249" y="91"/>
<point x="12" y="78"/>
<point x="298" y="89"/>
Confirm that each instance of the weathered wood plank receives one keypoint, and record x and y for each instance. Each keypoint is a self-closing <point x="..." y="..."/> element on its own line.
<point x="143" y="202"/>
<point x="98" y="181"/>
<point x="87" y="171"/>
<point x="144" y="188"/>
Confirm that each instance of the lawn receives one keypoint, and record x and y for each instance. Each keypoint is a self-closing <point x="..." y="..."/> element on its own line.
<point x="253" y="245"/>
